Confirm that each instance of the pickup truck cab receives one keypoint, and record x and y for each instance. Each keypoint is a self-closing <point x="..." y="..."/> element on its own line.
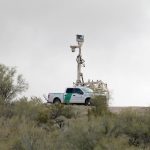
<point x="78" y="95"/>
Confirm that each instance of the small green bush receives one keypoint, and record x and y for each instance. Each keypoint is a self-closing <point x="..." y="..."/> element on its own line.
<point x="43" y="116"/>
<point x="61" y="110"/>
<point x="28" y="107"/>
<point x="100" y="105"/>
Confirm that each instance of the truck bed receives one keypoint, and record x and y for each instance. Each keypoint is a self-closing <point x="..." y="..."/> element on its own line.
<point x="51" y="97"/>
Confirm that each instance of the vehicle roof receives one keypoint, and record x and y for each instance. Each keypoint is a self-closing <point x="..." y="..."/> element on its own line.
<point x="77" y="87"/>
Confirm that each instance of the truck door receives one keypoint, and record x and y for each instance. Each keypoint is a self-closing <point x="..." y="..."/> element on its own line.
<point x="77" y="96"/>
<point x="68" y="95"/>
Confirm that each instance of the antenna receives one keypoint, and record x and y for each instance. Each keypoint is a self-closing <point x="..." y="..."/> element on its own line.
<point x="80" y="61"/>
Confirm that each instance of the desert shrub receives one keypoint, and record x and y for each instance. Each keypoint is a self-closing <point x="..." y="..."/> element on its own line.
<point x="55" y="116"/>
<point x="128" y="130"/>
<point x="136" y="126"/>
<point x="59" y="114"/>
<point x="61" y="110"/>
<point x="94" y="134"/>
<point x="107" y="143"/>
<point x="21" y="134"/>
<point x="6" y="110"/>
<point x="17" y="145"/>
<point x="43" y="116"/>
<point x="77" y="136"/>
<point x="100" y="105"/>
<point x="31" y="137"/>
<point x="10" y="84"/>
<point x="28" y="108"/>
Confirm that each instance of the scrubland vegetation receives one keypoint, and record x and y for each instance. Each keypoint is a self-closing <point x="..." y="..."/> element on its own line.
<point x="28" y="124"/>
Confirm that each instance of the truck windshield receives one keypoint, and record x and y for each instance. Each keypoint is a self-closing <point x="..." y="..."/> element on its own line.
<point x="87" y="90"/>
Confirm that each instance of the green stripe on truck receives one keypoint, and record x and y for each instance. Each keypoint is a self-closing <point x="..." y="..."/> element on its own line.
<point x="67" y="97"/>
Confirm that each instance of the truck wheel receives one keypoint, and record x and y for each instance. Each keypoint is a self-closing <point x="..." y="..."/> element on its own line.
<point x="88" y="102"/>
<point x="56" y="101"/>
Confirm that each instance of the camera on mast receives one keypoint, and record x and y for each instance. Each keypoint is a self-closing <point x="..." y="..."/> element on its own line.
<point x="73" y="47"/>
<point x="80" y="38"/>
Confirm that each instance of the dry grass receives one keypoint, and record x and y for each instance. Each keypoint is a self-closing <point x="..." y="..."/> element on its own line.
<point x="84" y="109"/>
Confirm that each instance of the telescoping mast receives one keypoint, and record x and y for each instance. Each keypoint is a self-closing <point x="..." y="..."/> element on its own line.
<point x="80" y="61"/>
<point x="97" y="86"/>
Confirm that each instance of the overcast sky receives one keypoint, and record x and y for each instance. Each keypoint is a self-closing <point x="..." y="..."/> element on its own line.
<point x="35" y="36"/>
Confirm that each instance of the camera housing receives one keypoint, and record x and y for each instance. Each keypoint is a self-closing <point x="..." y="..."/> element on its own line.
<point x="73" y="47"/>
<point x="80" y="38"/>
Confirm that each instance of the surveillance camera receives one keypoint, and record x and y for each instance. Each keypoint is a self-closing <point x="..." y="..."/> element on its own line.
<point x="80" y="38"/>
<point x="73" y="48"/>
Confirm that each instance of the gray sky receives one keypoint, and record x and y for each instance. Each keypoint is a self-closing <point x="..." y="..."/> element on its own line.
<point x="35" y="36"/>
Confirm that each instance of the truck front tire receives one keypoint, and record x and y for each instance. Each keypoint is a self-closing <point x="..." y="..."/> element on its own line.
<point x="88" y="102"/>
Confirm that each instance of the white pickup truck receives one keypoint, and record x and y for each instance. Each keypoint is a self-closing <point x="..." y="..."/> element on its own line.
<point x="80" y="95"/>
